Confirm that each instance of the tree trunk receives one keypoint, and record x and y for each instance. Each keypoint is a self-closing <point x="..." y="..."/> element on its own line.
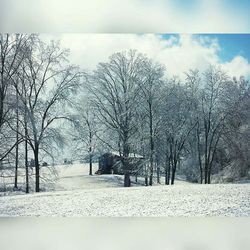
<point x="1" y="109"/>
<point x="146" y="180"/>
<point x="158" y="174"/>
<point x="37" y="168"/>
<point x="209" y="175"/>
<point x="2" y="97"/>
<point x="151" y="167"/>
<point x="167" y="170"/>
<point x="206" y="155"/>
<point x="26" y="152"/>
<point x="26" y="147"/>
<point x="127" y="179"/>
<point x="26" y="166"/>
<point x="171" y="161"/>
<point x="90" y="164"/>
<point x="90" y="154"/>
<point x="126" y="170"/>
<point x="206" y="173"/>
<point x="201" y="174"/>
<point x="173" y="175"/>
<point x="173" y="171"/>
<point x="199" y="154"/>
<point x="90" y="160"/>
<point x="146" y="175"/>
<point x="166" y="176"/>
<point x="17" y="138"/>
<point x="16" y="162"/>
<point x="151" y="175"/>
<point x="125" y="162"/>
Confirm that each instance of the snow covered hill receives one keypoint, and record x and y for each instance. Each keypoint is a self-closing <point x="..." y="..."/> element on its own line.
<point x="77" y="194"/>
<point x="182" y="200"/>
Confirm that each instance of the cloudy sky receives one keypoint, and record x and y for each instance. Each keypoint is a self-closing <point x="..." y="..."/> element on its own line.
<point x="133" y="16"/>
<point x="178" y="52"/>
<point x="94" y="29"/>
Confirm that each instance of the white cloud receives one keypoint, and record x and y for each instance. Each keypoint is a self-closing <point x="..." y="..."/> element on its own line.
<point x="159" y="16"/>
<point x="238" y="66"/>
<point x="179" y="53"/>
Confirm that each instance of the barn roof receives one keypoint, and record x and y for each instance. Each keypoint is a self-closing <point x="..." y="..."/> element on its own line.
<point x="131" y="155"/>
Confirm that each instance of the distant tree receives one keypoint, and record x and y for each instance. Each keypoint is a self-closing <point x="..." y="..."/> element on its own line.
<point x="85" y="130"/>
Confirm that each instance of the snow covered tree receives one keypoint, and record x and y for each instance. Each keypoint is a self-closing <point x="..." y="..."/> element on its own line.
<point x="115" y="89"/>
<point x="49" y="83"/>
<point x="218" y="103"/>
<point x="151" y="86"/>
<point x="176" y="125"/>
<point x="85" y="129"/>
<point x="12" y="54"/>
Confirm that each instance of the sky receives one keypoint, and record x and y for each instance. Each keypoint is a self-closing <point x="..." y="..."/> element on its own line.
<point x="94" y="29"/>
<point x="178" y="52"/>
<point x="130" y="16"/>
<point x="232" y="45"/>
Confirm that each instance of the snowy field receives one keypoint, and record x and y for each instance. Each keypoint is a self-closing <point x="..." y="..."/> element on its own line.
<point x="77" y="194"/>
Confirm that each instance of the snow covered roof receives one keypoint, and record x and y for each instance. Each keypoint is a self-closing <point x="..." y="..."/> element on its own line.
<point x="131" y="155"/>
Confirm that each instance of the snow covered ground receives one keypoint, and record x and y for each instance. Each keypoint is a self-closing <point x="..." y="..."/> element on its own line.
<point x="76" y="176"/>
<point x="77" y="194"/>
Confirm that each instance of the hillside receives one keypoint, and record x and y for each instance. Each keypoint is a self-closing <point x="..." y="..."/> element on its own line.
<point x="77" y="194"/>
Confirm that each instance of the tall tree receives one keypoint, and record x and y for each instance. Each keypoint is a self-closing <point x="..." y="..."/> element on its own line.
<point x="176" y="125"/>
<point x="50" y="81"/>
<point x="151" y="86"/>
<point x="115" y="88"/>
<point x="12" y="54"/>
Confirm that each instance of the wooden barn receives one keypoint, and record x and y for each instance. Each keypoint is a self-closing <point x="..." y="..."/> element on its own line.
<point x="110" y="163"/>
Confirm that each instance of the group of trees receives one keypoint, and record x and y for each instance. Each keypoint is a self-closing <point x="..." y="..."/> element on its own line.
<point x="36" y="83"/>
<point x="197" y="125"/>
<point x="170" y="121"/>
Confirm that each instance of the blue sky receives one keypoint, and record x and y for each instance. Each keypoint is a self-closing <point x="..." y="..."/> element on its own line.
<point x="231" y="45"/>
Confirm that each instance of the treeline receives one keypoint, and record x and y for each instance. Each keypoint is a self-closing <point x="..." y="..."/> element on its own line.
<point x="197" y="125"/>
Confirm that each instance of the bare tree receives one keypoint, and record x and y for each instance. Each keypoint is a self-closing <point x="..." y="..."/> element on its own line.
<point x="49" y="83"/>
<point x="216" y="103"/>
<point x="213" y="116"/>
<point x="85" y="130"/>
<point x="115" y="89"/>
<point x="12" y="54"/>
<point x="176" y="126"/>
<point x="151" y="86"/>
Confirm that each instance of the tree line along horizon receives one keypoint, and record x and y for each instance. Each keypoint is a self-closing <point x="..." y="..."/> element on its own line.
<point x="197" y="126"/>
